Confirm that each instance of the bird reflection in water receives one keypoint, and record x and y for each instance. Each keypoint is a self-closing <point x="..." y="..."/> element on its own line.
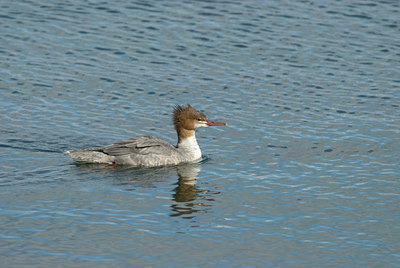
<point x="186" y="193"/>
<point x="188" y="199"/>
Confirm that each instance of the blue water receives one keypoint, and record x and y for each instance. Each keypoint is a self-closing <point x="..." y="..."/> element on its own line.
<point x="306" y="173"/>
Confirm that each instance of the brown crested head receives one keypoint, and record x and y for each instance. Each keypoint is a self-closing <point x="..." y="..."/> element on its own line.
<point x="187" y="116"/>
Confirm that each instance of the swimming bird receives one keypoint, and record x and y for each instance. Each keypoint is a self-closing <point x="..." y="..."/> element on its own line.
<point x="151" y="151"/>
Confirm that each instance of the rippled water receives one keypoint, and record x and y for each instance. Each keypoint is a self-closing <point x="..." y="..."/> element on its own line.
<point x="306" y="174"/>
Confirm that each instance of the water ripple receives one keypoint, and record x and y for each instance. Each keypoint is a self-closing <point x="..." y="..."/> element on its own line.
<point x="310" y="155"/>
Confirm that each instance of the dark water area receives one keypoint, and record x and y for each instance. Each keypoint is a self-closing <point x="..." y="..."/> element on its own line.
<point x="305" y="174"/>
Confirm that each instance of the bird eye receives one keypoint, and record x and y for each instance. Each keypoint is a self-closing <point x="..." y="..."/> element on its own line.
<point x="199" y="119"/>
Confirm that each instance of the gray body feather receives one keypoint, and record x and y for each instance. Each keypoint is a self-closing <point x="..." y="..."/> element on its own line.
<point x="139" y="151"/>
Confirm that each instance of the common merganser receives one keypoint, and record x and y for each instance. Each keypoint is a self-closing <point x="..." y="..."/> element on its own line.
<point x="150" y="151"/>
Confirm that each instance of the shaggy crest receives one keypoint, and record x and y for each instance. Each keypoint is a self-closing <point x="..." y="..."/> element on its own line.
<point x="188" y="112"/>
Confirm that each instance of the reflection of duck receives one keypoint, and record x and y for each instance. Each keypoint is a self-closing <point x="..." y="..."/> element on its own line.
<point x="152" y="151"/>
<point x="187" y="198"/>
<point x="186" y="191"/>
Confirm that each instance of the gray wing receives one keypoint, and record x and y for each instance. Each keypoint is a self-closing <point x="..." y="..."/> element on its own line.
<point x="139" y="145"/>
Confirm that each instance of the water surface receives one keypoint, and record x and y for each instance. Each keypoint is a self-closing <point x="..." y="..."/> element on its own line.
<point x="306" y="173"/>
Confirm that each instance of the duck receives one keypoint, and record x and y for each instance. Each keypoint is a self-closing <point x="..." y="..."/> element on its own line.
<point x="152" y="151"/>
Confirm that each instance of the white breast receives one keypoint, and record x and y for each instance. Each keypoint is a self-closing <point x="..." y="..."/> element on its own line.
<point x="190" y="148"/>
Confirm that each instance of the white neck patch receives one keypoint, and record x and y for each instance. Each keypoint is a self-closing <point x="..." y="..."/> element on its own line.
<point x="191" y="147"/>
